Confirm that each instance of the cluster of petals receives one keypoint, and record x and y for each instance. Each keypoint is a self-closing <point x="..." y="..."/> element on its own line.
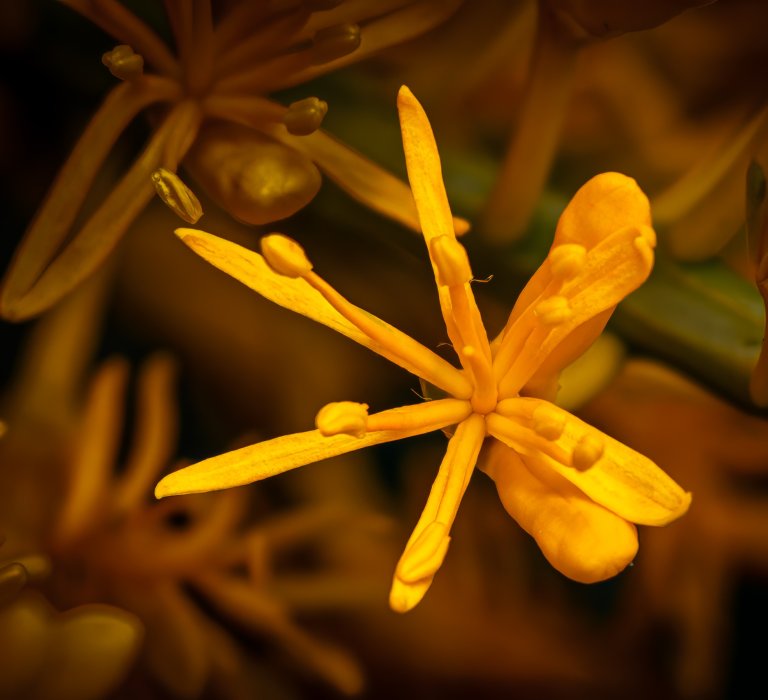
<point x="576" y="490"/>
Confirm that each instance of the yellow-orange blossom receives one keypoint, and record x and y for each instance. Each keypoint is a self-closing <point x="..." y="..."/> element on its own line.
<point x="575" y="489"/>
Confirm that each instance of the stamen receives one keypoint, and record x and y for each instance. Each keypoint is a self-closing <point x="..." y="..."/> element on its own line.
<point x="285" y="256"/>
<point x="123" y="63"/>
<point x="566" y="260"/>
<point x="176" y="195"/>
<point x="554" y="310"/>
<point x="334" y="42"/>
<point x="586" y="452"/>
<point x="396" y="345"/>
<point x="343" y="417"/>
<point x="305" y="116"/>
<point x="451" y="261"/>
<point x="548" y="422"/>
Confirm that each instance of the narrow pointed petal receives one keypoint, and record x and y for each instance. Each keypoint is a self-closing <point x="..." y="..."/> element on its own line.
<point x="580" y="538"/>
<point x="609" y="472"/>
<point x="428" y="544"/>
<point x="156" y="428"/>
<point x="256" y="462"/>
<point x="94" y="456"/>
<point x="298" y="295"/>
<point x="359" y="177"/>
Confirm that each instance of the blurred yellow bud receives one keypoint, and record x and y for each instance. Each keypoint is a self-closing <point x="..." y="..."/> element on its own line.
<point x="254" y="178"/>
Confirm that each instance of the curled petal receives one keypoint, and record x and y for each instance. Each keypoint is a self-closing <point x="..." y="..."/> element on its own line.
<point x="609" y="472"/>
<point x="580" y="538"/>
<point x="552" y="323"/>
<point x="264" y="459"/>
<point x="601" y="206"/>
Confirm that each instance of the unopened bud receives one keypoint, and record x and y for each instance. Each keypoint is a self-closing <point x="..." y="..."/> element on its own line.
<point x="123" y="62"/>
<point x="285" y="256"/>
<point x="305" y="116"/>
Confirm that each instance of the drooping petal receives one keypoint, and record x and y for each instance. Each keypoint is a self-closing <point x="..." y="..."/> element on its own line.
<point x="550" y="439"/>
<point x="275" y="456"/>
<point x="101" y="233"/>
<point x="428" y="544"/>
<point x="580" y="538"/>
<point x="54" y="218"/>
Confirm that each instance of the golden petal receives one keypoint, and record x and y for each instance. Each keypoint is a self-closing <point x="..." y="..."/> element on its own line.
<point x="580" y="538"/>
<point x="622" y="480"/>
<point x="264" y="459"/>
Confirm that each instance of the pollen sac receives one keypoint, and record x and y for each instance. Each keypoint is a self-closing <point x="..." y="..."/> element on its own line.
<point x="286" y="257"/>
<point x="451" y="261"/>
<point x="554" y="310"/>
<point x="123" y="63"/>
<point x="254" y="178"/>
<point x="548" y="422"/>
<point x="176" y="195"/>
<point x="567" y="259"/>
<point x="343" y="418"/>
<point x="334" y="42"/>
<point x="586" y="452"/>
<point x="305" y="116"/>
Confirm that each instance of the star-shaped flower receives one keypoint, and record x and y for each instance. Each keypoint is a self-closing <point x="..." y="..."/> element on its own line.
<point x="575" y="489"/>
<point x="209" y="111"/>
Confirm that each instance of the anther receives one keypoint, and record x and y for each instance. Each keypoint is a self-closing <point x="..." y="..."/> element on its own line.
<point x="451" y="261"/>
<point x="548" y="423"/>
<point x="305" y="116"/>
<point x="334" y="42"/>
<point x="343" y="418"/>
<point x="586" y="452"/>
<point x="554" y="310"/>
<point x="123" y="62"/>
<point x="285" y="256"/>
<point x="176" y="195"/>
<point x="567" y="259"/>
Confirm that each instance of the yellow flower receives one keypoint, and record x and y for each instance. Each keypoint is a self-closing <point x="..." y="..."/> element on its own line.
<point x="571" y="486"/>
<point x="254" y="156"/>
